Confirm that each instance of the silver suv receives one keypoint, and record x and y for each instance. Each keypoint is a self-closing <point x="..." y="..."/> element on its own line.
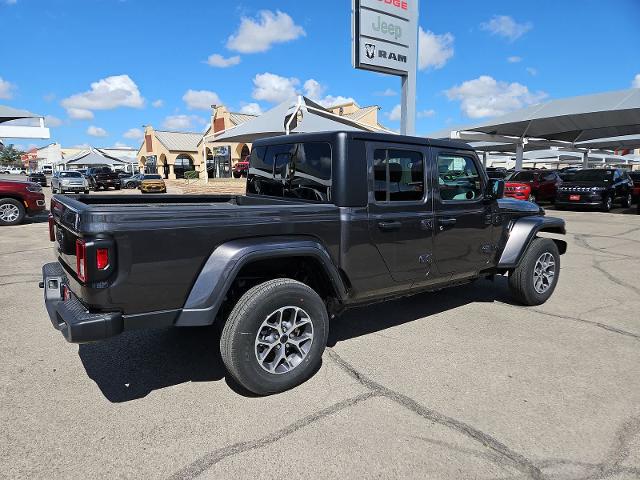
<point x="69" y="181"/>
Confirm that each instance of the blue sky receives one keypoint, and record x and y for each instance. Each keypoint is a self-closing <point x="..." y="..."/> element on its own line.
<point x="103" y="68"/>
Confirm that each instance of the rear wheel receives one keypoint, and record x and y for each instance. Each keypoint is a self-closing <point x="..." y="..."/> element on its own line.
<point x="12" y="212"/>
<point x="236" y="175"/>
<point x="532" y="198"/>
<point x="628" y="200"/>
<point x="607" y="203"/>
<point x="533" y="281"/>
<point x="274" y="338"/>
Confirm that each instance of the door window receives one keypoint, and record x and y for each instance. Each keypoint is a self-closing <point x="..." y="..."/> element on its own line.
<point x="458" y="178"/>
<point x="398" y="176"/>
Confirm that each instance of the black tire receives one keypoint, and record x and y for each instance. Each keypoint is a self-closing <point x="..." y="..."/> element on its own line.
<point x="607" y="203"/>
<point x="12" y="207"/>
<point x="236" y="175"/>
<point x="627" y="201"/>
<point x="86" y="192"/>
<point x="238" y="340"/>
<point x="521" y="279"/>
<point x="117" y="187"/>
<point x="532" y="198"/>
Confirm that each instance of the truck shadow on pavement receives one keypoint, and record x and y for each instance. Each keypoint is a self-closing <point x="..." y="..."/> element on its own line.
<point x="134" y="364"/>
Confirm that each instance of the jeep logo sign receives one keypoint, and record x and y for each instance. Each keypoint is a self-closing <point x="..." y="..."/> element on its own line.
<point x="385" y="35"/>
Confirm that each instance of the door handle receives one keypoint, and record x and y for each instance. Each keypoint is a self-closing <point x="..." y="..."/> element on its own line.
<point x="447" y="221"/>
<point x="389" y="226"/>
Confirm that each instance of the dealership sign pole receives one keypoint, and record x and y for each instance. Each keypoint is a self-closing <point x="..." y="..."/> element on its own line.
<point x="385" y="40"/>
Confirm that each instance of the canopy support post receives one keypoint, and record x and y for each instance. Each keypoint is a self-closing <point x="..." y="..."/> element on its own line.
<point x="585" y="159"/>
<point x="519" y="155"/>
<point x="484" y="159"/>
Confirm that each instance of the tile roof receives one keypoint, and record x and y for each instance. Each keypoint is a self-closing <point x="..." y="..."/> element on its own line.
<point x="179" y="141"/>
<point x="239" y="118"/>
<point x="357" y="115"/>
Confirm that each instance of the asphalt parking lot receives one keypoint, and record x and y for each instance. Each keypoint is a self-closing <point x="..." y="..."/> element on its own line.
<point x="456" y="384"/>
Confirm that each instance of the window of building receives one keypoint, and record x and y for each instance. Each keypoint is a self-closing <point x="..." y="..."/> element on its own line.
<point x="398" y="175"/>
<point x="458" y="178"/>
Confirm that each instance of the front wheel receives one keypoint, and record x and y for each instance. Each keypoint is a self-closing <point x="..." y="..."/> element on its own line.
<point x="607" y="203"/>
<point x="274" y="337"/>
<point x="533" y="281"/>
<point x="532" y="198"/>
<point x="626" y="203"/>
<point x="236" y="175"/>
<point x="12" y="212"/>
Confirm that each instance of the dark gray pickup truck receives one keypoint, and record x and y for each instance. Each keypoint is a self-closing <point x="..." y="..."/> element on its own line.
<point x="329" y="221"/>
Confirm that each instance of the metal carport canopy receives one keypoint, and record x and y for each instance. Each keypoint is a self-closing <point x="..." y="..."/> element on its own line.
<point x="576" y="119"/>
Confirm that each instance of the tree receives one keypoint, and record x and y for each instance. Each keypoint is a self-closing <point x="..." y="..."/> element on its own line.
<point x="10" y="156"/>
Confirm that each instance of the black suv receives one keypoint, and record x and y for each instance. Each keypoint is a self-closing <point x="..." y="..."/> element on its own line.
<point x="38" y="178"/>
<point x="596" y="188"/>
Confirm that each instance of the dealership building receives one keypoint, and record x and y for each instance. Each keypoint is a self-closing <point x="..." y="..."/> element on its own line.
<point x="172" y="154"/>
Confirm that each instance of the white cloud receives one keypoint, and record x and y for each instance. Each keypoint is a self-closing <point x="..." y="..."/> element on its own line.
<point x="426" y="113"/>
<point x="514" y="59"/>
<point x="274" y="88"/>
<point x="396" y="113"/>
<point x="134" y="134"/>
<point x="49" y="97"/>
<point x="532" y="71"/>
<point x="331" y="101"/>
<point x="158" y="103"/>
<point x="82" y="146"/>
<point x="105" y="94"/>
<point x="251" y="109"/>
<point x="505" y="26"/>
<point x="636" y="82"/>
<point x="217" y="60"/>
<point x="6" y="89"/>
<point x="182" y="122"/>
<point x="10" y="2"/>
<point x="434" y="50"/>
<point x="314" y="90"/>
<point x="96" y="131"/>
<point x="260" y="34"/>
<point x="80" y="114"/>
<point x="486" y="97"/>
<point x="201" y="99"/>
<point x="51" y="121"/>
<point x="121" y="145"/>
<point x="389" y="92"/>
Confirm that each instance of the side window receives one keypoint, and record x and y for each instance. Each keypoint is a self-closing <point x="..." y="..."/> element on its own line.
<point x="398" y="176"/>
<point x="458" y="178"/>
<point x="616" y="175"/>
<point x="309" y="175"/>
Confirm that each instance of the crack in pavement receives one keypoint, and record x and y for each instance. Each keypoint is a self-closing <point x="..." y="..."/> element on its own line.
<point x="207" y="461"/>
<point x="612" y="278"/>
<point x="512" y="458"/>
<point x="24" y="251"/>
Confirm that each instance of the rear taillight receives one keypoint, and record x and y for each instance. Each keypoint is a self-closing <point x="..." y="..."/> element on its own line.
<point x="102" y="258"/>
<point x="81" y="260"/>
<point x="52" y="228"/>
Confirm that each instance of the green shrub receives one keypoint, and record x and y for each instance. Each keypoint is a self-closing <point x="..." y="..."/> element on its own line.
<point x="191" y="175"/>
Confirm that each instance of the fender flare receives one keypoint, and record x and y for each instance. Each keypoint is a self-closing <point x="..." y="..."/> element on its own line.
<point x="220" y="270"/>
<point x="522" y="233"/>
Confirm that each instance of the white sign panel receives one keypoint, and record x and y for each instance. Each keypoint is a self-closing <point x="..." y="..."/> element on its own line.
<point x="385" y="35"/>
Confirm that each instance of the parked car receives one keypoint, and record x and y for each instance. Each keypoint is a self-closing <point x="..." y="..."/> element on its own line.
<point x="39" y="178"/>
<point x="19" y="199"/>
<point x="103" y="177"/>
<point x="13" y="171"/>
<point x="496" y="172"/>
<point x="635" y="178"/>
<point x="69" y="181"/>
<point x="240" y="169"/>
<point x="544" y="183"/>
<point x="567" y="173"/>
<point x="132" y="181"/>
<point x="331" y="220"/>
<point x="519" y="191"/>
<point x="123" y="175"/>
<point x="152" y="183"/>
<point x="600" y="188"/>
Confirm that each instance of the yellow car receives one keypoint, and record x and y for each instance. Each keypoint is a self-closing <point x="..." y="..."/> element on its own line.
<point x="152" y="184"/>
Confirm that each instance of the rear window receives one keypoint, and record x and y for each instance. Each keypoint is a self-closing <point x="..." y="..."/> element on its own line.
<point x="152" y="177"/>
<point x="70" y="175"/>
<point x="592" y="175"/>
<point x="294" y="170"/>
<point x="522" y="176"/>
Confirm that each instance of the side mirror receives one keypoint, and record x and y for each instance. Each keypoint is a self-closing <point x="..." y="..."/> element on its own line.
<point x="496" y="188"/>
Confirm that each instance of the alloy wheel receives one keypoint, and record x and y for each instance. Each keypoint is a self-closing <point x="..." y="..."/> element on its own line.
<point x="284" y="340"/>
<point x="9" y="213"/>
<point x="544" y="272"/>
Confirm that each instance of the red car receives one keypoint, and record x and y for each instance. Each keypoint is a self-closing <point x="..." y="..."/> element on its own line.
<point x="635" y="176"/>
<point x="544" y="183"/>
<point x="519" y="191"/>
<point x="19" y="199"/>
<point x="241" y="168"/>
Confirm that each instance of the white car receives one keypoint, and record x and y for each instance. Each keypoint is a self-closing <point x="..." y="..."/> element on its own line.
<point x="14" y="171"/>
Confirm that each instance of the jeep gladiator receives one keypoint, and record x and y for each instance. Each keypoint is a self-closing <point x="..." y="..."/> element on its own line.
<point x="329" y="221"/>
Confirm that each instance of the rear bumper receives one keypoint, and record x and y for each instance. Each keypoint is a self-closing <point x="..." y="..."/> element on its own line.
<point x="70" y="317"/>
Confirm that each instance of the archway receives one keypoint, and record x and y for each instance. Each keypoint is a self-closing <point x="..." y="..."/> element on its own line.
<point x="183" y="164"/>
<point x="245" y="152"/>
<point x="163" y="167"/>
<point x="141" y="164"/>
<point x="211" y="165"/>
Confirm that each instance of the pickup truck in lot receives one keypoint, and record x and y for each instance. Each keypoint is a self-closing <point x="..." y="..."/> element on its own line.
<point x="329" y="221"/>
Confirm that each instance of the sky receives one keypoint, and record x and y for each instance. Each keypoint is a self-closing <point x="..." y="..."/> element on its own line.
<point x="102" y="69"/>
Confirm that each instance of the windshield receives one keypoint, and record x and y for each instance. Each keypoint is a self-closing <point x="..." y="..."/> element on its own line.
<point x="592" y="176"/>
<point x="71" y="175"/>
<point x="522" y="176"/>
